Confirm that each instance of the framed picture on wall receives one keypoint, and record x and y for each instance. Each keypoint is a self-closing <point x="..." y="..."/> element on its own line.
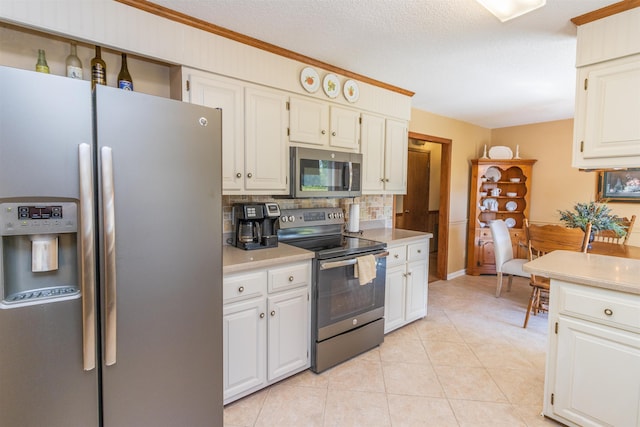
<point x="619" y="186"/>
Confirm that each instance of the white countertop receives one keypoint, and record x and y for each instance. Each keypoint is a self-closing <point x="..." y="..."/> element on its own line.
<point x="607" y="272"/>
<point x="391" y="235"/>
<point x="235" y="260"/>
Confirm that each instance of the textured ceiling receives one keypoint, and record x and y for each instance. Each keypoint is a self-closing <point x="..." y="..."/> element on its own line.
<point x="460" y="60"/>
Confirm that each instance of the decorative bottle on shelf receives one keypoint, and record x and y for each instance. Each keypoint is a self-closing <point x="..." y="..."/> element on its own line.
<point x="98" y="70"/>
<point x="74" y="65"/>
<point x="41" y="65"/>
<point x="124" y="78"/>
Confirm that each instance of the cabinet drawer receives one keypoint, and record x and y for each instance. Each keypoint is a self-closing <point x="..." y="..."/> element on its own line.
<point x="289" y="276"/>
<point x="397" y="255"/>
<point x="417" y="251"/>
<point x="244" y="286"/>
<point x="600" y="305"/>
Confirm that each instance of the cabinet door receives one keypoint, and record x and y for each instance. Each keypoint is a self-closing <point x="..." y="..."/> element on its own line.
<point x="607" y="127"/>
<point x="372" y="138"/>
<point x="416" y="303"/>
<point x="308" y="121"/>
<point x="597" y="374"/>
<point x="217" y="92"/>
<point x="345" y="129"/>
<point x="396" y="146"/>
<point x="244" y="346"/>
<point x="289" y="332"/>
<point x="394" y="298"/>
<point x="266" y="153"/>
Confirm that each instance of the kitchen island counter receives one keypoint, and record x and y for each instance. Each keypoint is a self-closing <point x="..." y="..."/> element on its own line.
<point x="236" y="260"/>
<point x="607" y="272"/>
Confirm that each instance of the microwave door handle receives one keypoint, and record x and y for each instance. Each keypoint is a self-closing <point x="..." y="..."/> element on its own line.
<point x="348" y="178"/>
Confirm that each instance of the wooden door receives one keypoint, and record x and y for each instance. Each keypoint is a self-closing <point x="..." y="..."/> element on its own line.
<point x="416" y="202"/>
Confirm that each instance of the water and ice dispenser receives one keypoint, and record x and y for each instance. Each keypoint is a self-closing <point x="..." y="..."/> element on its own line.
<point x="39" y="252"/>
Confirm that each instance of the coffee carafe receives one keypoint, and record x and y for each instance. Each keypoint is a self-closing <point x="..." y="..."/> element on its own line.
<point x="256" y="225"/>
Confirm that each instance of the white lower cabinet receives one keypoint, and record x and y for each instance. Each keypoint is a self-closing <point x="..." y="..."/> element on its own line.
<point x="406" y="287"/>
<point x="593" y="365"/>
<point x="266" y="334"/>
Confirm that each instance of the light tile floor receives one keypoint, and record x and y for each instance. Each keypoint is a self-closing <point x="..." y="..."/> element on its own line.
<point x="468" y="363"/>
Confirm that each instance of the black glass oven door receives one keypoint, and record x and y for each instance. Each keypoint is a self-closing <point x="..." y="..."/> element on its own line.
<point x="341" y="302"/>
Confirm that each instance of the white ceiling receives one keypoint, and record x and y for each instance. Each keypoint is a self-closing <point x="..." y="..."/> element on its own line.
<point x="460" y="60"/>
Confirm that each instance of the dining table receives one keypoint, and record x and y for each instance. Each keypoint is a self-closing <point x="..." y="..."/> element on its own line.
<point x="614" y="249"/>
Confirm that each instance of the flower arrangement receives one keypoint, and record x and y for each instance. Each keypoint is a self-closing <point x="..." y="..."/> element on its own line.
<point x="598" y="214"/>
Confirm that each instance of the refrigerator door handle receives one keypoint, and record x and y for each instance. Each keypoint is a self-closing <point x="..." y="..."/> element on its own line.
<point x="108" y="197"/>
<point x="87" y="258"/>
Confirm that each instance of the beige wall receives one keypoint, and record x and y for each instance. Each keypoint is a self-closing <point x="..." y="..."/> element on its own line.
<point x="556" y="185"/>
<point x="467" y="141"/>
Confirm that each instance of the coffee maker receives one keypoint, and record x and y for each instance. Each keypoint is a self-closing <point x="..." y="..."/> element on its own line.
<point x="256" y="225"/>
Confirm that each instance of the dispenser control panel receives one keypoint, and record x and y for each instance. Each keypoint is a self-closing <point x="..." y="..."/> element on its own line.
<point x="26" y="217"/>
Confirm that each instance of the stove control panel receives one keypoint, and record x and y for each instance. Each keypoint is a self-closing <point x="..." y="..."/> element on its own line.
<point x="290" y="218"/>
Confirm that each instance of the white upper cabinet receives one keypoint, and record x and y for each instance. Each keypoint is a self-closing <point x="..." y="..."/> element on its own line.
<point x="227" y="94"/>
<point x="396" y="153"/>
<point x="345" y="129"/>
<point x="384" y="152"/>
<point x="323" y="125"/>
<point x="308" y="121"/>
<point x="373" y="153"/>
<point x="607" y="116"/>
<point x="255" y="159"/>
<point x="266" y="149"/>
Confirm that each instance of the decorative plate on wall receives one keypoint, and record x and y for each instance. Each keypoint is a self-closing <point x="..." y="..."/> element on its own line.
<point x="351" y="91"/>
<point x="331" y="85"/>
<point x="310" y="79"/>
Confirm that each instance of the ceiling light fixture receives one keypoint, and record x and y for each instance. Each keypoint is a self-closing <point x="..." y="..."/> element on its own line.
<point x="509" y="9"/>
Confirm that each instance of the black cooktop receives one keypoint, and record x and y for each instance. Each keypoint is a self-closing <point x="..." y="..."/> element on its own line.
<point x="333" y="246"/>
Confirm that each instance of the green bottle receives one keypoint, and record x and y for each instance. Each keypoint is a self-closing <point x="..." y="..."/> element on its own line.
<point x="41" y="65"/>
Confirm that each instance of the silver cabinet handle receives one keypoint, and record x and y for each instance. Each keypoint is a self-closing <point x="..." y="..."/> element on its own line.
<point x="249" y="175"/>
<point x="273" y="313"/>
<point x="333" y="134"/>
<point x="608" y="311"/>
<point x="238" y="175"/>
<point x="241" y="289"/>
<point x="324" y="132"/>
<point x="291" y="278"/>
<point x="396" y="256"/>
<point x="262" y="315"/>
<point x="87" y="259"/>
<point x="419" y="251"/>
<point x="110" y="285"/>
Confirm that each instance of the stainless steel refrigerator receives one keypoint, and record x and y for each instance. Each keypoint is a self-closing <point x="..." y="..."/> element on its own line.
<point x="111" y="265"/>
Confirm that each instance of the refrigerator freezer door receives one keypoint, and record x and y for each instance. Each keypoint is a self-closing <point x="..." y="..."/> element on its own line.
<point x="43" y="120"/>
<point x="168" y="264"/>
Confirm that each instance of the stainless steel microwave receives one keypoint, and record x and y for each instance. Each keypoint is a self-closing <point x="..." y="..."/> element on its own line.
<point x="325" y="173"/>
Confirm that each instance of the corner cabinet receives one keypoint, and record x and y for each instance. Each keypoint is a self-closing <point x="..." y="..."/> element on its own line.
<point x="593" y="362"/>
<point x="266" y="327"/>
<point x="607" y="113"/>
<point x="500" y="189"/>
<point x="607" y="122"/>
<point x="255" y="158"/>
<point x="384" y="155"/>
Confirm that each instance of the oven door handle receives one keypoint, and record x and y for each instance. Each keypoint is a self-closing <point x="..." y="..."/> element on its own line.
<point x="327" y="265"/>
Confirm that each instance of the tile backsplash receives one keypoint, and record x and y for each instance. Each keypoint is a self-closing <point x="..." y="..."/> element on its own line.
<point x="378" y="208"/>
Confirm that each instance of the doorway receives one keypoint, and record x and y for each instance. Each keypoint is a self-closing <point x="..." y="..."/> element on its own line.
<point x="428" y="210"/>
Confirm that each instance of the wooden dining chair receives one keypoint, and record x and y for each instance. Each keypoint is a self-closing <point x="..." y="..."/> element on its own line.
<point x="506" y="264"/>
<point x="610" y="236"/>
<point x="543" y="239"/>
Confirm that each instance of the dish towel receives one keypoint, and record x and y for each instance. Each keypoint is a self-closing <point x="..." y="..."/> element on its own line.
<point x="365" y="269"/>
